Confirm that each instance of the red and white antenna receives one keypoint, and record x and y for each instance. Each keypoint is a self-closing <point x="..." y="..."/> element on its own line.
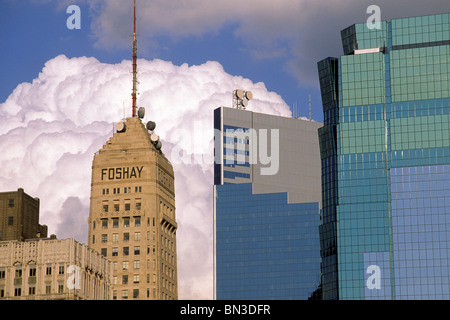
<point x="133" y="93"/>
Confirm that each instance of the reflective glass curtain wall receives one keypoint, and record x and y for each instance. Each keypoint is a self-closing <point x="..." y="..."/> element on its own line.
<point x="266" y="226"/>
<point x="385" y="150"/>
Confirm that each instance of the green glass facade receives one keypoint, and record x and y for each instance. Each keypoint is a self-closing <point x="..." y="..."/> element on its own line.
<point x="385" y="153"/>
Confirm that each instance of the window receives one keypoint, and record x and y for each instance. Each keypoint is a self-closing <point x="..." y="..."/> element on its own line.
<point x="104" y="223"/>
<point x="138" y="206"/>
<point x="127" y="207"/>
<point x="104" y="252"/>
<point x="17" y="292"/>
<point x="126" y="236"/>
<point x="32" y="271"/>
<point x="115" y="237"/>
<point x="126" y="222"/>
<point x="48" y="271"/>
<point x="61" y="269"/>
<point x="48" y="288"/>
<point x="115" y="252"/>
<point x="137" y="250"/>
<point x="125" y="251"/>
<point x="11" y="203"/>
<point x="105" y="208"/>
<point x="60" y="288"/>
<point x="116" y="207"/>
<point x="137" y="236"/>
<point x="31" y="291"/>
<point x="125" y="279"/>
<point x="115" y="223"/>
<point x="125" y="265"/>
<point x="19" y="272"/>
<point x="137" y="221"/>
<point x="10" y="221"/>
<point x="136" y="278"/>
<point x="135" y="293"/>
<point x="124" y="294"/>
<point x="2" y="274"/>
<point x="136" y="264"/>
<point x="104" y="238"/>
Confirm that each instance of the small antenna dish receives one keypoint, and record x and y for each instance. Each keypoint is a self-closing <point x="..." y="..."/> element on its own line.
<point x="151" y="125"/>
<point x="141" y="112"/>
<point x="158" y="145"/>
<point x="120" y="126"/>
<point x="241" y="98"/>
<point x="154" y="137"/>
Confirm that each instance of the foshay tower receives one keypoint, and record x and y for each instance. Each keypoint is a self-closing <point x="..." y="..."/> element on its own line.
<point x="132" y="212"/>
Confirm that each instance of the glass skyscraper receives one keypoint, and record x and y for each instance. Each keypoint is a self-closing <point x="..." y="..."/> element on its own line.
<point x="267" y="201"/>
<point x="385" y="153"/>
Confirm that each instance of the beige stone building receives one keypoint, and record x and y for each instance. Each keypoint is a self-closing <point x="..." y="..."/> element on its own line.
<point x="19" y="216"/>
<point x="52" y="269"/>
<point x="132" y="213"/>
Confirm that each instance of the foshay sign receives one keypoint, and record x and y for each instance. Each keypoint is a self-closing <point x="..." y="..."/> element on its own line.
<point x="121" y="173"/>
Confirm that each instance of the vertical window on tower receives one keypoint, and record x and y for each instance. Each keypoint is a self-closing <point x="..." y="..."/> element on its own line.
<point x="127" y="207"/>
<point x="116" y="207"/>
<point x="104" y="223"/>
<point x="10" y="203"/>
<point x="126" y="222"/>
<point x="115" y="222"/>
<point x="10" y="221"/>
<point x="137" y="221"/>
<point x="138" y="205"/>
<point x="105" y="208"/>
<point x="126" y="251"/>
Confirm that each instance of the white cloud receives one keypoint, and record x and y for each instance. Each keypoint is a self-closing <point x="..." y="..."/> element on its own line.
<point x="51" y="128"/>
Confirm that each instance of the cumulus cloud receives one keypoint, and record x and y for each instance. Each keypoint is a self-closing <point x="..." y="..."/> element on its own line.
<point x="51" y="128"/>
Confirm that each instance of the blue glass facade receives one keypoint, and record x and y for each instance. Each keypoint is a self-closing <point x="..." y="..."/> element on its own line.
<point x="385" y="153"/>
<point x="265" y="247"/>
<point x="265" y="227"/>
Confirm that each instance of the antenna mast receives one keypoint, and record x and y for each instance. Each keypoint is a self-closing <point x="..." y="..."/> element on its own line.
<point x="133" y="93"/>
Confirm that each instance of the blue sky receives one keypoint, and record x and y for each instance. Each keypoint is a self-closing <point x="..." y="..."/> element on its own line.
<point x="33" y="32"/>
<point x="283" y="56"/>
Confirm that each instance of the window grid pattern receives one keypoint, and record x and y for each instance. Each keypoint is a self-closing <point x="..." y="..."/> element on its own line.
<point x="422" y="29"/>
<point x="420" y="229"/>
<point x="362" y="79"/>
<point x="420" y="73"/>
<point x="265" y="247"/>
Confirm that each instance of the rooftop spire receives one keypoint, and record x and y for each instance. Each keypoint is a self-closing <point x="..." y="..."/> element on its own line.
<point x="133" y="93"/>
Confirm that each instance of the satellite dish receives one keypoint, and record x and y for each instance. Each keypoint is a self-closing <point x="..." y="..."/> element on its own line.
<point x="239" y="93"/>
<point x="158" y="145"/>
<point x="249" y="95"/>
<point x="120" y="126"/>
<point x="141" y="112"/>
<point x="154" y="137"/>
<point x="151" y="125"/>
<point x="244" y="102"/>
